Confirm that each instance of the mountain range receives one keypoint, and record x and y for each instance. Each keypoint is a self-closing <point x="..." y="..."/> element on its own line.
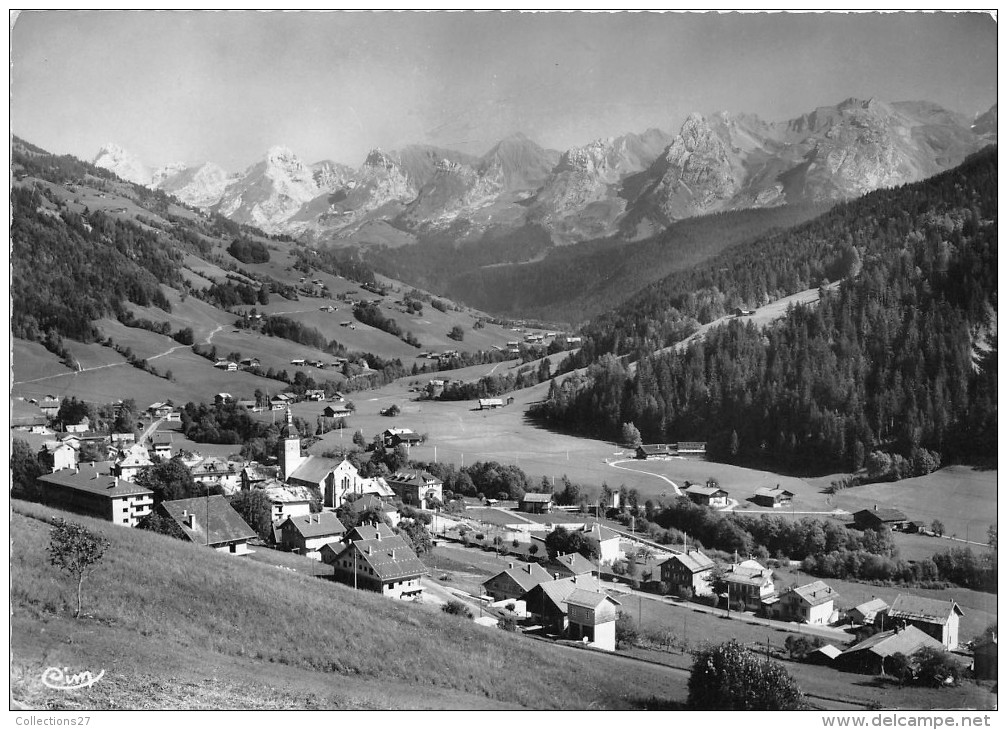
<point x="631" y="186"/>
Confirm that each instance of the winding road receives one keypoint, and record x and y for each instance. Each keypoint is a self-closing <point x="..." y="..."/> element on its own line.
<point x="615" y="465"/>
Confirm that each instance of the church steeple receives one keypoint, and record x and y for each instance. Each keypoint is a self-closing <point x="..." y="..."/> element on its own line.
<point x="290" y="451"/>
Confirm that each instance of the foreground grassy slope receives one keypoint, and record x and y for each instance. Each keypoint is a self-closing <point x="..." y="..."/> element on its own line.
<point x="243" y="634"/>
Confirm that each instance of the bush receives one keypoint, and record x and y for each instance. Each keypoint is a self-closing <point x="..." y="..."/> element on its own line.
<point x="936" y="667"/>
<point x="626" y="633"/>
<point x="457" y="608"/>
<point x="508" y="623"/>
<point x="730" y="677"/>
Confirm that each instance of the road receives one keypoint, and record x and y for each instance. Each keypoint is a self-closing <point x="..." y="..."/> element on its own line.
<point x="615" y="465"/>
<point x="170" y="350"/>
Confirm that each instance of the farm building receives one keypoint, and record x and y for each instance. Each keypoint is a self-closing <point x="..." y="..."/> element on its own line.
<point x="690" y="447"/>
<point x="392" y="437"/>
<point x="535" y="503"/>
<point x="515" y="581"/>
<point x="162" y="446"/>
<point x="209" y="521"/>
<point x="688" y="570"/>
<point x="823" y="655"/>
<point x="93" y="490"/>
<point x="938" y="619"/>
<point x="490" y="403"/>
<point x="773" y="497"/>
<point x="875" y="519"/>
<point x="707" y="496"/>
<point x="868" y="656"/>
<point x="337" y="410"/>
<point x="867" y="611"/>
<point x="655" y="451"/>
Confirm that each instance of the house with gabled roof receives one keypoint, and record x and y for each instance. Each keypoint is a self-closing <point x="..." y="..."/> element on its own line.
<point x="869" y="655"/>
<point x="546" y="602"/>
<point x="416" y="487"/>
<point x="162" y="446"/>
<point x="368" y="532"/>
<point x="287" y="500"/>
<point x="607" y="540"/>
<point x="875" y="519"/>
<point x="934" y="617"/>
<point x="373" y="502"/>
<point x="385" y="565"/>
<point x="750" y="584"/>
<point x="707" y="496"/>
<point x="655" y="451"/>
<point x="515" y="581"/>
<point x="56" y="455"/>
<point x="866" y="612"/>
<point x="306" y="534"/>
<point x="591" y="616"/>
<point x="773" y="497"/>
<point x="392" y="437"/>
<point x="688" y="571"/>
<point x="217" y="471"/>
<point x="131" y="461"/>
<point x="535" y="503"/>
<point x="812" y="603"/>
<point x="209" y="521"/>
<point x="565" y="566"/>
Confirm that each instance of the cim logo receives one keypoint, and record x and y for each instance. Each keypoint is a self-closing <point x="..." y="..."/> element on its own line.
<point x="57" y="678"/>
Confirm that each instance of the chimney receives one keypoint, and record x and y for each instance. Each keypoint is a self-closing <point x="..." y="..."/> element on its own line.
<point x="393" y="554"/>
<point x="510" y="566"/>
<point x="555" y="576"/>
<point x="875" y="508"/>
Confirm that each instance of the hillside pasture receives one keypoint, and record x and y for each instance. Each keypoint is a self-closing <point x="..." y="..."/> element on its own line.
<point x="962" y="497"/>
<point x="155" y="601"/>
<point x="31" y="360"/>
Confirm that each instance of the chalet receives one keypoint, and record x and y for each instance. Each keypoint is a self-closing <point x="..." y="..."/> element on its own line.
<point x="740" y="312"/>
<point x="49" y="406"/>
<point x="81" y="427"/>
<point x="122" y="439"/>
<point x="654" y="451"/>
<point x="571" y="564"/>
<point x="337" y="410"/>
<point x="547" y="604"/>
<point x="392" y="437"/>
<point x="226" y="365"/>
<point x="607" y="541"/>
<point x="223" y="398"/>
<point x="217" y="471"/>
<point x="93" y="490"/>
<point x="250" y="362"/>
<point x="162" y="446"/>
<point x="287" y="500"/>
<point x="416" y="487"/>
<point x="875" y="519"/>
<point x="374" y="503"/>
<point x="868" y="656"/>
<point x="385" y="565"/>
<point x="535" y="503"/>
<point x="935" y="618"/>
<point x="573" y="340"/>
<point x="866" y="612"/>
<point x="591" y="616"/>
<point x="750" y="584"/>
<point x="773" y="497"/>
<point x="248" y="405"/>
<point x="707" y="496"/>
<point x="159" y="409"/>
<point x="56" y="455"/>
<point x="297" y="362"/>
<point x="306" y="534"/>
<point x="486" y="404"/>
<point x="131" y="461"/>
<point x="174" y="417"/>
<point x="515" y="582"/>
<point x="315" y="395"/>
<point x="24" y="415"/>
<point x="812" y="603"/>
<point x="688" y="571"/>
<point x="209" y="521"/>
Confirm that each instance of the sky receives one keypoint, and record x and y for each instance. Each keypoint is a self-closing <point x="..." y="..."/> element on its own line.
<point x="194" y="86"/>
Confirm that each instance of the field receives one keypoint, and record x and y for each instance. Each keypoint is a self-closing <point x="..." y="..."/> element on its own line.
<point x="249" y="635"/>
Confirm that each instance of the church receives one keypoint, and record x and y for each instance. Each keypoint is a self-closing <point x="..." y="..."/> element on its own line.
<point x="335" y="479"/>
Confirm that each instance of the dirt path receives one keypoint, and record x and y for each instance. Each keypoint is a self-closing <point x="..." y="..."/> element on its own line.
<point x="615" y="465"/>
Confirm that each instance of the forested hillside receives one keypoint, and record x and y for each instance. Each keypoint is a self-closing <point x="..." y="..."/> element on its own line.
<point x="901" y="360"/>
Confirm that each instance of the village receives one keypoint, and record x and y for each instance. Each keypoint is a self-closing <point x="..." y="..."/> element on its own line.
<point x="557" y="572"/>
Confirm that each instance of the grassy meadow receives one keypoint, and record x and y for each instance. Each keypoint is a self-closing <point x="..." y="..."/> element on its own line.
<point x="249" y="635"/>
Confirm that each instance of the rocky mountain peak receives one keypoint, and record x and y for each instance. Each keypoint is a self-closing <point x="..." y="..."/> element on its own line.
<point x="114" y="158"/>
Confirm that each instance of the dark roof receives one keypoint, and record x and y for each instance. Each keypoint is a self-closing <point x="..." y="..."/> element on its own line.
<point x="536" y="497"/>
<point x="369" y="501"/>
<point x="527" y="576"/>
<point x="886" y="643"/>
<point x="416" y="477"/>
<point x="94" y="480"/>
<point x="773" y="492"/>
<point x="225" y="525"/>
<point x="390" y="559"/>
<point x="705" y="491"/>
<point x="654" y="448"/>
<point x="369" y="532"/>
<point x="918" y="608"/>
<point x="575" y="563"/>
<point x="319" y="524"/>
<point x="693" y="560"/>
<point x="883" y="514"/>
